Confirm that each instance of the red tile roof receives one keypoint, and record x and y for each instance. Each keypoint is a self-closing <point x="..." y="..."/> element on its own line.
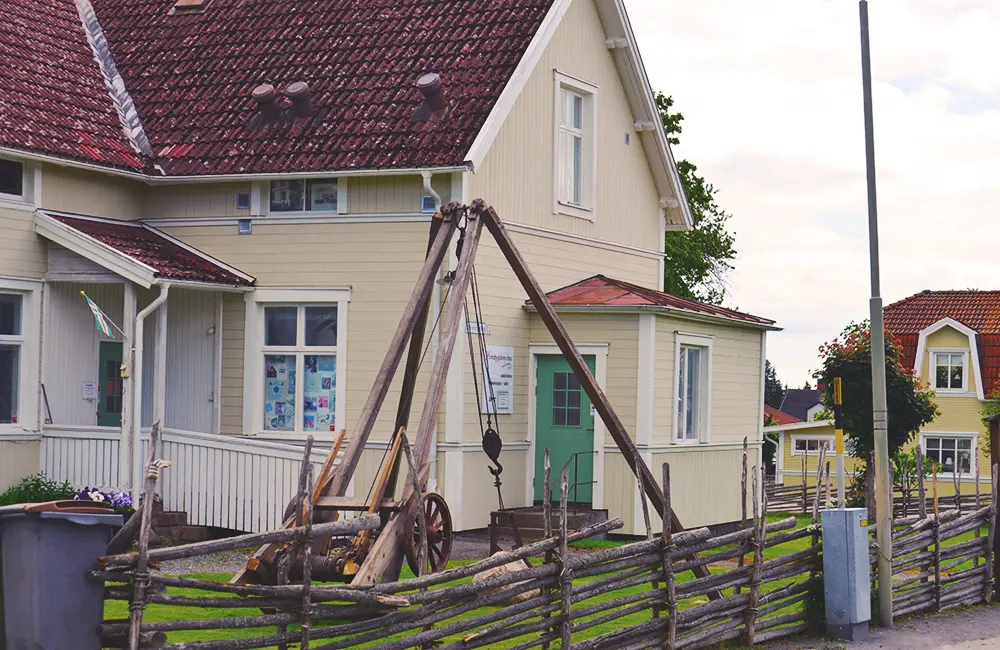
<point x="169" y="259"/>
<point x="779" y="417"/>
<point x="978" y="310"/>
<point x="53" y="98"/>
<point x="191" y="77"/>
<point x="601" y="290"/>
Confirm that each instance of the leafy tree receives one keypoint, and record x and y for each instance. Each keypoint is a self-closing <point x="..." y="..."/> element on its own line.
<point x="911" y="405"/>
<point x="774" y="390"/>
<point x="696" y="261"/>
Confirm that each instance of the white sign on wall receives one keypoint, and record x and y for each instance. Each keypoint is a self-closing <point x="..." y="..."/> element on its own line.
<point x="500" y="365"/>
<point x="90" y="390"/>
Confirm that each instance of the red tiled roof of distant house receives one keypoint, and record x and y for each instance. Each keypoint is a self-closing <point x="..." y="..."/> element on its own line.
<point x="601" y="290"/>
<point x="778" y="417"/>
<point x="977" y="310"/>
<point x="169" y="259"/>
<point x="191" y="77"/>
<point x="53" y="97"/>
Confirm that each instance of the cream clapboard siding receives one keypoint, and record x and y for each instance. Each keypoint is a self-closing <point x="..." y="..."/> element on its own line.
<point x="233" y="326"/>
<point x="705" y="484"/>
<point x="516" y="176"/>
<point x="365" y="195"/>
<point x="378" y="261"/>
<point x="191" y="367"/>
<point x="83" y="192"/>
<point x="736" y="377"/>
<point x="478" y="497"/>
<point x="22" y="252"/>
<point x="620" y="491"/>
<point x="18" y="458"/>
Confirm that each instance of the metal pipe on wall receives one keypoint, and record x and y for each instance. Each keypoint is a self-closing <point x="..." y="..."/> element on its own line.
<point x="134" y="451"/>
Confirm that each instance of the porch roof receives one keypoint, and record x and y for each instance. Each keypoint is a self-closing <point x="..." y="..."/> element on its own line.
<point x="136" y="251"/>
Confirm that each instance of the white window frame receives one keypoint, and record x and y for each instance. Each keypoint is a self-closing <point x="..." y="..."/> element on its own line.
<point x="31" y="187"/>
<point x="586" y="209"/>
<point x="955" y="435"/>
<point x="29" y="359"/>
<point x="265" y="198"/>
<point x="805" y="436"/>
<point x="683" y="339"/>
<point x="932" y="370"/>
<point x="255" y="351"/>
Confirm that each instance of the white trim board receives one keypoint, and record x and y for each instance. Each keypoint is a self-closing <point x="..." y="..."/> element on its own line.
<point x="918" y="360"/>
<point x="600" y="353"/>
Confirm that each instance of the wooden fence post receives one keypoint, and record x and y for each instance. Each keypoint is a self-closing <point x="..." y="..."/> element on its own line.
<point x="743" y="506"/>
<point x="547" y="523"/>
<point x="760" y="530"/>
<point x="291" y="550"/>
<point x="805" y="481"/>
<point x="668" y="567"/>
<point x="815" y="512"/>
<point x="138" y="604"/>
<point x="565" y="577"/>
<point x="649" y="533"/>
<point x="307" y="543"/>
<point x="991" y="543"/>
<point x="994" y="461"/>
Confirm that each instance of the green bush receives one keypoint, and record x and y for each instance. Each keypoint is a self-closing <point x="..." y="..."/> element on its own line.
<point x="37" y="489"/>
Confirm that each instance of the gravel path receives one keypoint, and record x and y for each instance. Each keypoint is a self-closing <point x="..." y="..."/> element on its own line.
<point x="970" y="629"/>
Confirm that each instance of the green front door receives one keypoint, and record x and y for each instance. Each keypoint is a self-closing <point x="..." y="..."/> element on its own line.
<point x="109" y="406"/>
<point x="564" y="424"/>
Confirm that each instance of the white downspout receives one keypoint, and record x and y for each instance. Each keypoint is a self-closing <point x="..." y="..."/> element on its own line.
<point x="137" y="350"/>
<point x="435" y="335"/>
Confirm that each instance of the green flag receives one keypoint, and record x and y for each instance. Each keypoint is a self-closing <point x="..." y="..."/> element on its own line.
<point x="100" y="318"/>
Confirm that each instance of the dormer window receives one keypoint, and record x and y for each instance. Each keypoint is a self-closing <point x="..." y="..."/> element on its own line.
<point x="949" y="371"/>
<point x="11" y="179"/>
<point x="313" y="195"/>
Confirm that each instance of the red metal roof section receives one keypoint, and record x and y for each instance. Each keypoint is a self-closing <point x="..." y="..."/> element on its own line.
<point x="978" y="310"/>
<point x="600" y="290"/>
<point x="170" y="260"/>
<point x="779" y="417"/>
<point x="191" y="77"/>
<point x="53" y="98"/>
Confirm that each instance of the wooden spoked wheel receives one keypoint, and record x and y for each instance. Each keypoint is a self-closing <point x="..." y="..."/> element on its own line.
<point x="439" y="533"/>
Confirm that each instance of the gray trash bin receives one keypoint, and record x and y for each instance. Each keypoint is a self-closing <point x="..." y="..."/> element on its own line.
<point x="49" y="603"/>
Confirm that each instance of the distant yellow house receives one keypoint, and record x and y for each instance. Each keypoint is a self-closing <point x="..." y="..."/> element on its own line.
<point x="951" y="339"/>
<point x="800" y="442"/>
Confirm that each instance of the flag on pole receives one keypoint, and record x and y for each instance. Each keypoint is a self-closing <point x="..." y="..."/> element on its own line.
<point x="100" y="318"/>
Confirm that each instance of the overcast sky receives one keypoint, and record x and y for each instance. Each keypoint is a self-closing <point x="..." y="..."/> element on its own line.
<point x="771" y="96"/>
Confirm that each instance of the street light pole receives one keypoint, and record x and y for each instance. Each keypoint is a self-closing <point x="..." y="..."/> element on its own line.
<point x="883" y="488"/>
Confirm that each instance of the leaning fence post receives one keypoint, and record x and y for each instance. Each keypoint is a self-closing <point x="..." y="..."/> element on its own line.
<point x="565" y="578"/>
<point x="760" y="530"/>
<point x="138" y="603"/>
<point x="743" y="507"/>
<point x="307" y="542"/>
<point x="668" y="567"/>
<point x="649" y="531"/>
<point x="991" y="539"/>
<point x="815" y="512"/>
<point x="547" y="520"/>
<point x="979" y="534"/>
<point x="805" y="481"/>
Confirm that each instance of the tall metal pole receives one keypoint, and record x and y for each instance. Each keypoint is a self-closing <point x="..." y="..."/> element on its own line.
<point x="883" y="489"/>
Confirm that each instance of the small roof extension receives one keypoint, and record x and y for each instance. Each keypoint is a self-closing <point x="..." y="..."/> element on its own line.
<point x="602" y="292"/>
<point x="136" y="251"/>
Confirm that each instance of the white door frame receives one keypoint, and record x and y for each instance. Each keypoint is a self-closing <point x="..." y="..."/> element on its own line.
<point x="600" y="354"/>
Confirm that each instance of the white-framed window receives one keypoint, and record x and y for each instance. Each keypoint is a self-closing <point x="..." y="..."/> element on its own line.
<point x="20" y="316"/>
<point x="947" y="449"/>
<point x="803" y="445"/>
<point x="296" y="352"/>
<point x="575" y="146"/>
<point x="693" y="380"/>
<point x="950" y="368"/>
<point x="305" y="195"/>
<point x="20" y="183"/>
<point x="12" y="181"/>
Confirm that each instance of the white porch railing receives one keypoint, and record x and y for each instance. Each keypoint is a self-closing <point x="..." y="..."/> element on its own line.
<point x="225" y="481"/>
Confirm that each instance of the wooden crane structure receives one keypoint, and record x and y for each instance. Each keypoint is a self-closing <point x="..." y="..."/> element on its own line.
<point x="379" y="559"/>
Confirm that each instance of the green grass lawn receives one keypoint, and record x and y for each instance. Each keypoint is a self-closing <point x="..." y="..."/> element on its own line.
<point x="155" y="613"/>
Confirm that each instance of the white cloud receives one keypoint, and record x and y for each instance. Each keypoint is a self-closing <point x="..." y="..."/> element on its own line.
<point x="771" y="94"/>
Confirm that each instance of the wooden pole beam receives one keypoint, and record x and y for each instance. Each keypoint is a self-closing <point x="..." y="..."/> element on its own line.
<point x="385" y="557"/>
<point x="994" y="463"/>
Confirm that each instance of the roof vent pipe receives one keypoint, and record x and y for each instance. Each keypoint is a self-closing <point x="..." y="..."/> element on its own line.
<point x="435" y="104"/>
<point x="298" y="93"/>
<point x="267" y="101"/>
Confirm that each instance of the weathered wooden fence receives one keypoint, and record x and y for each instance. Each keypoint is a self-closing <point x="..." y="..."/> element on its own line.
<point x="638" y="595"/>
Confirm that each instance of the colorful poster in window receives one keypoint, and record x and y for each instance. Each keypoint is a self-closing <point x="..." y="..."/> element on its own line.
<point x="323" y="195"/>
<point x="319" y="396"/>
<point x="498" y="379"/>
<point x="279" y="398"/>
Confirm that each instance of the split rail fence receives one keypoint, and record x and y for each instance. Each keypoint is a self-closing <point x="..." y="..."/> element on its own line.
<point x="640" y="595"/>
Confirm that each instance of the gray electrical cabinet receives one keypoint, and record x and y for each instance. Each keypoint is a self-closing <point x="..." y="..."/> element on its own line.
<point x="846" y="579"/>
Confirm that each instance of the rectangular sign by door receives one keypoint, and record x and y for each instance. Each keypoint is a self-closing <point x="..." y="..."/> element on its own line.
<point x="499" y="369"/>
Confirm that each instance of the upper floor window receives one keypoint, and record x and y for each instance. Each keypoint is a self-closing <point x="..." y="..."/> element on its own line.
<point x="949" y="371"/>
<point x="575" y="154"/>
<point x="11" y="178"/>
<point x="312" y="195"/>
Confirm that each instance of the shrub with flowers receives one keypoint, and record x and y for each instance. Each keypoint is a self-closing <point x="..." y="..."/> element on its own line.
<point x="910" y="402"/>
<point x="120" y="501"/>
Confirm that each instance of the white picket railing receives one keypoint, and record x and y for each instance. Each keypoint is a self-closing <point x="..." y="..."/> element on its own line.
<point x="231" y="482"/>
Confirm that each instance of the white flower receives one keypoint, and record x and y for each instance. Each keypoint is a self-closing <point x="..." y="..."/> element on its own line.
<point x="96" y="496"/>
